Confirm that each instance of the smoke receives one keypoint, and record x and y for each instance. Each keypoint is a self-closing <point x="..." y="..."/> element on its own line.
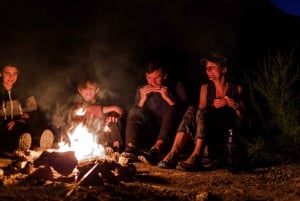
<point x="55" y="43"/>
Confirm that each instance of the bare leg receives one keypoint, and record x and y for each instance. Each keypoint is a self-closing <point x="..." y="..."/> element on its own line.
<point x="158" y="145"/>
<point x="180" y="141"/>
<point x="196" y="153"/>
<point x="193" y="162"/>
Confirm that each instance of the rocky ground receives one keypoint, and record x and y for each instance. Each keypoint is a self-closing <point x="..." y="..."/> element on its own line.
<point x="146" y="182"/>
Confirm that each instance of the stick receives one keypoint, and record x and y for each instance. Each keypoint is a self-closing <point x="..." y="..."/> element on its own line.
<point x="81" y="180"/>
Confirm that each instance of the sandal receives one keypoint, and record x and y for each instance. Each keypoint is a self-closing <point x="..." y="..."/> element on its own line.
<point x="192" y="164"/>
<point x="166" y="165"/>
<point x="169" y="161"/>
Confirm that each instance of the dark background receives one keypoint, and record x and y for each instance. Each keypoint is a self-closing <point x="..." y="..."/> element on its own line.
<point x="55" y="41"/>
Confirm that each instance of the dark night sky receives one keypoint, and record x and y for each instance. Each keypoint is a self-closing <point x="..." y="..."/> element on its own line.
<point x="54" y="40"/>
<point x="288" y="6"/>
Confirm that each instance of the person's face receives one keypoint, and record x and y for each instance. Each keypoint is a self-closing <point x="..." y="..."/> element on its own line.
<point x="214" y="71"/>
<point x="155" y="78"/>
<point x="88" y="92"/>
<point x="9" y="76"/>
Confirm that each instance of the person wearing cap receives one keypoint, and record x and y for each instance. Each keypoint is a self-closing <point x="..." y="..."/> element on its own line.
<point x="220" y="108"/>
<point x="152" y="121"/>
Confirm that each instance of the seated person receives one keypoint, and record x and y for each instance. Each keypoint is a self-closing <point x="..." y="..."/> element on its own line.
<point x="221" y="108"/>
<point x="101" y="120"/>
<point x="152" y="121"/>
<point x="17" y="115"/>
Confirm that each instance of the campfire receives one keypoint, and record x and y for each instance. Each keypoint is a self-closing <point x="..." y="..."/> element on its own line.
<point x="80" y="160"/>
<point x="83" y="143"/>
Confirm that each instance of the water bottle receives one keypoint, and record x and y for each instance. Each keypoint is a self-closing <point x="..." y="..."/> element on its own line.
<point x="232" y="150"/>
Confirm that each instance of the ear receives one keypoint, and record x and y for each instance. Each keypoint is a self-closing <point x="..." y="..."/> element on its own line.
<point x="224" y="69"/>
<point x="97" y="90"/>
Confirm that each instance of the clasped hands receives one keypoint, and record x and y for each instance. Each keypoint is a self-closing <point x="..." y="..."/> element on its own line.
<point x="220" y="102"/>
<point x="147" y="89"/>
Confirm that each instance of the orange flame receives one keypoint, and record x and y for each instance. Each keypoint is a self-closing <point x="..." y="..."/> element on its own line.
<point x="83" y="143"/>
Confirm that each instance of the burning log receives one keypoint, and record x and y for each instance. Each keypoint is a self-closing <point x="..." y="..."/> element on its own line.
<point x="62" y="162"/>
<point x="64" y="167"/>
<point x="108" y="171"/>
<point x="66" y="164"/>
<point x="102" y="171"/>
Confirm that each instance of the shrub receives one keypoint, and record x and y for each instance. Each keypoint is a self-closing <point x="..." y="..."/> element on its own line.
<point x="274" y="103"/>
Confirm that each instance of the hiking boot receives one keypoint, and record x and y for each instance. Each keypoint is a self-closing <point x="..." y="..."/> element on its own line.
<point x="25" y="141"/>
<point x="150" y="157"/>
<point x="46" y="140"/>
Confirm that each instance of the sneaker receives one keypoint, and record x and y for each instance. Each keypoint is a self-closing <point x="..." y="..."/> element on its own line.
<point x="46" y="140"/>
<point x="108" y="150"/>
<point x="25" y="141"/>
<point x="131" y="154"/>
<point x="150" y="157"/>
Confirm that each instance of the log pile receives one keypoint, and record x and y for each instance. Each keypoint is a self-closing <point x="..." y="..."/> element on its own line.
<point x="63" y="166"/>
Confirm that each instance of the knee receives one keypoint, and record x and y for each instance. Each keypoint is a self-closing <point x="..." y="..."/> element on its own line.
<point x="135" y="110"/>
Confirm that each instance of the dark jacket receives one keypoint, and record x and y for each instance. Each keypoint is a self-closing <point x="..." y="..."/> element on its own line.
<point x="157" y="104"/>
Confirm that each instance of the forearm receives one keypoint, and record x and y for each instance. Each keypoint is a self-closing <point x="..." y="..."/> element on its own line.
<point x="170" y="101"/>
<point x="240" y="114"/>
<point x="141" y="102"/>
<point x="113" y="108"/>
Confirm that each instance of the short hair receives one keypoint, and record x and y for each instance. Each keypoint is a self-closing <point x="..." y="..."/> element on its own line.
<point x="83" y="81"/>
<point x="153" y="66"/>
<point x="12" y="65"/>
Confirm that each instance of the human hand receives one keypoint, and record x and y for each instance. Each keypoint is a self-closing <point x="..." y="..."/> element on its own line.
<point x="145" y="91"/>
<point x="25" y="116"/>
<point x="112" y="117"/>
<point x="231" y="102"/>
<point x="163" y="90"/>
<point x="219" y="102"/>
<point x="10" y="125"/>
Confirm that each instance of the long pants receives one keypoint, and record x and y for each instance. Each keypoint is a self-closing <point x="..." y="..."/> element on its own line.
<point x="143" y="128"/>
<point x="114" y="134"/>
<point x="10" y="139"/>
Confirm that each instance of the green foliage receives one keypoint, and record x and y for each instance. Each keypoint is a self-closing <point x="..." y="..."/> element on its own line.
<point x="274" y="102"/>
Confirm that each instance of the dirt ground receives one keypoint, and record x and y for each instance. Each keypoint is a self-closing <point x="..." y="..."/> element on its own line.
<point x="275" y="183"/>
